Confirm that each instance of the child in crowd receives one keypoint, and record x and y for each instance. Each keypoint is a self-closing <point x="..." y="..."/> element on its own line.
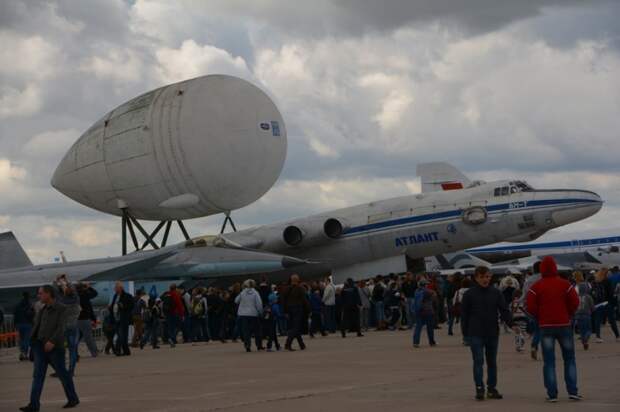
<point x="519" y="319"/>
<point x="583" y="315"/>
<point x="269" y="323"/>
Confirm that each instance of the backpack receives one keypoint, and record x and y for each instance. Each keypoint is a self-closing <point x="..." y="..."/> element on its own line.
<point x="418" y="300"/>
<point x="456" y="306"/>
<point x="167" y="304"/>
<point x="198" y="309"/>
<point x="147" y="315"/>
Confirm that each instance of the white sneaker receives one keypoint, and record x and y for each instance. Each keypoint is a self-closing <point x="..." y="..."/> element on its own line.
<point x="598" y="340"/>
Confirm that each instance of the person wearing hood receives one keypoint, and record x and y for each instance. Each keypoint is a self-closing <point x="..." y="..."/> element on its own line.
<point x="351" y="304"/>
<point x="250" y="308"/>
<point x="479" y="316"/>
<point x="553" y="301"/>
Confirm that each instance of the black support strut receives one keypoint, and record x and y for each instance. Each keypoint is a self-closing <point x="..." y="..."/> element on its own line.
<point x="129" y="222"/>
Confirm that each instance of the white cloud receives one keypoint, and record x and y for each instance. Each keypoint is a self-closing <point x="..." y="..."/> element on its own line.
<point x="122" y="65"/>
<point x="323" y="149"/>
<point x="51" y="143"/>
<point x="26" y="56"/>
<point x="49" y="232"/>
<point x="335" y="193"/>
<point x="19" y="102"/>
<point x="9" y="173"/>
<point x="192" y="60"/>
<point x="93" y="236"/>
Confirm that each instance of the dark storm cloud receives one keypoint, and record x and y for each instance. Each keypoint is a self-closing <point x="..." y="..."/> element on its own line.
<point x="356" y="17"/>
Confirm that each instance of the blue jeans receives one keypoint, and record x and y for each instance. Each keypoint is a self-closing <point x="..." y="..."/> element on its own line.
<point x="421" y="321"/>
<point x="564" y="336"/>
<point x="585" y="327"/>
<point x="42" y="359"/>
<point x="611" y="318"/>
<point x="410" y="312"/>
<point x="151" y="333"/>
<point x="379" y="313"/>
<point x="535" y="333"/>
<point x="173" y="322"/>
<point x="71" y="334"/>
<point x="330" y="318"/>
<point x="482" y="347"/>
<point x="450" y="316"/>
<point x="24" y="330"/>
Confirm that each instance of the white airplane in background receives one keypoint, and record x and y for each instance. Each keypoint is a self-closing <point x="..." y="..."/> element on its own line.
<point x="452" y="213"/>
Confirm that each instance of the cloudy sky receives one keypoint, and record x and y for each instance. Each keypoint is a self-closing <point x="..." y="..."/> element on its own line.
<point x="527" y="89"/>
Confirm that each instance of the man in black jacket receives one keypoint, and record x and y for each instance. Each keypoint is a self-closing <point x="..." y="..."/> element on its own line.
<point x="351" y="304"/>
<point x="48" y="348"/>
<point x="296" y="306"/>
<point x="87" y="316"/>
<point x="121" y="309"/>
<point x="479" y="312"/>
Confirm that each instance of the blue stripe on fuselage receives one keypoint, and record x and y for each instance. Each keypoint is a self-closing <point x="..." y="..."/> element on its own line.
<point x="531" y="204"/>
<point x="584" y="243"/>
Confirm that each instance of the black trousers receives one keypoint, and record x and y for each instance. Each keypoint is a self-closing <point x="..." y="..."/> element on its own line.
<point x="295" y="325"/>
<point x="249" y="326"/>
<point x="350" y="319"/>
<point x="269" y="333"/>
<point x="122" y="338"/>
<point x="316" y="324"/>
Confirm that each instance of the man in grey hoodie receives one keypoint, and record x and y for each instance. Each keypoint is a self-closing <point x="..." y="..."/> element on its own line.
<point x="532" y="277"/>
<point x="250" y="308"/>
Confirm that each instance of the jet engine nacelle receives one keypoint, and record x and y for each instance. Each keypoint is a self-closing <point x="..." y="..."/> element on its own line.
<point x="313" y="232"/>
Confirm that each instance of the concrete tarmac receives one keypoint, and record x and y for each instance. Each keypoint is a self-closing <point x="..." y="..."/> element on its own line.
<point x="379" y="372"/>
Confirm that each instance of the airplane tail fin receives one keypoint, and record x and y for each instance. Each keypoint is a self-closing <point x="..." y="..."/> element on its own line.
<point x="12" y="255"/>
<point x="438" y="176"/>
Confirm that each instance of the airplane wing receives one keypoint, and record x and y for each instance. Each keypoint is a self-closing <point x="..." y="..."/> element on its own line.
<point x="438" y="176"/>
<point x="125" y="271"/>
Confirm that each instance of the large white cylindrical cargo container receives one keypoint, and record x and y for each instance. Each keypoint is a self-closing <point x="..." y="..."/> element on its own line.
<point x="195" y="148"/>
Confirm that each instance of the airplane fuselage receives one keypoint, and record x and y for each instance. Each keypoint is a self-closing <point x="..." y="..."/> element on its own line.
<point x="425" y="224"/>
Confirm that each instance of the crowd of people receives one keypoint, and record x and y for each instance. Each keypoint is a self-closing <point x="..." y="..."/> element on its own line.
<point x="542" y="304"/>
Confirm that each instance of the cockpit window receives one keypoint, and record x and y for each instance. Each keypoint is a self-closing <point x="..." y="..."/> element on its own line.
<point x="204" y="241"/>
<point x="497" y="191"/>
<point x="505" y="190"/>
<point x="523" y="186"/>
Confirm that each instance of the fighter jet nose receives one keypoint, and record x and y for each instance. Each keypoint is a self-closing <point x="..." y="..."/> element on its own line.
<point x="289" y="262"/>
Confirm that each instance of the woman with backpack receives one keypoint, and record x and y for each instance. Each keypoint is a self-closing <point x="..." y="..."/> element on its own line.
<point x="424" y="303"/>
<point x="152" y="321"/>
<point x="199" y="316"/>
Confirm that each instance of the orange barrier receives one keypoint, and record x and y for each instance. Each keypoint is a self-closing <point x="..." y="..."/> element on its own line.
<point x="10" y="339"/>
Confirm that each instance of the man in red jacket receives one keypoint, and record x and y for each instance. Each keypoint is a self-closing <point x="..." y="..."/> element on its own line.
<point x="553" y="302"/>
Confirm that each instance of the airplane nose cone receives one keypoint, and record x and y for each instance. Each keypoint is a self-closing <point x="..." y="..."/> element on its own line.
<point x="585" y="204"/>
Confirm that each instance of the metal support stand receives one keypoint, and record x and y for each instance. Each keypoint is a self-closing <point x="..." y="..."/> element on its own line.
<point x="226" y="220"/>
<point x="128" y="222"/>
